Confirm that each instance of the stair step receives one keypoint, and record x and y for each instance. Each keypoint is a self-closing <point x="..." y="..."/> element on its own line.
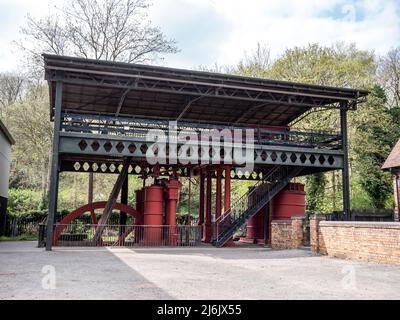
<point x="274" y="182"/>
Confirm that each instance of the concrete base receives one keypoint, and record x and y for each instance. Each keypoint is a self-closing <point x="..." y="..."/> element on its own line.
<point x="248" y="240"/>
<point x="230" y="244"/>
<point x="252" y="241"/>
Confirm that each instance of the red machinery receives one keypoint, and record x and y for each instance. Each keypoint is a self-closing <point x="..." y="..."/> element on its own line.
<point x="289" y="202"/>
<point x="158" y="205"/>
<point x="286" y="204"/>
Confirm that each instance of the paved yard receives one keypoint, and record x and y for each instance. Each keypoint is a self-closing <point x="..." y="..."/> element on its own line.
<point x="26" y="272"/>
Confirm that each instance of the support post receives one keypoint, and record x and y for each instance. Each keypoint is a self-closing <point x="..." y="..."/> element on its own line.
<point x="345" y="170"/>
<point x="54" y="175"/>
<point x="112" y="199"/>
<point x="208" y="226"/>
<point x="396" y="215"/>
<point x="90" y="197"/>
<point x="201" y="198"/>
<point x="266" y="223"/>
<point x="189" y="196"/>
<point x="227" y="192"/>
<point x="124" y="200"/>
<point x="218" y="196"/>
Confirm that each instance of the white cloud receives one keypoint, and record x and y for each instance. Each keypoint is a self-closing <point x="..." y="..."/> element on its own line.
<point x="210" y="31"/>
<point x="372" y="25"/>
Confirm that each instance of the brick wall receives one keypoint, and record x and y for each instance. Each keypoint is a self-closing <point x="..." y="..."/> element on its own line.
<point x="370" y="241"/>
<point x="281" y="234"/>
<point x="287" y="234"/>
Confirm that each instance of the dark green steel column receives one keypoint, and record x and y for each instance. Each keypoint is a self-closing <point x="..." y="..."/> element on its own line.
<point x="54" y="166"/>
<point x="345" y="170"/>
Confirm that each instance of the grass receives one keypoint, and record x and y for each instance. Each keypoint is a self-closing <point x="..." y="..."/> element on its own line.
<point x="23" y="237"/>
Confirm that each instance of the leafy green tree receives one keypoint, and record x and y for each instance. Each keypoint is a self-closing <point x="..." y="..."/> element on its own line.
<point x="373" y="138"/>
<point x="339" y="65"/>
<point x="315" y="192"/>
<point x="30" y="126"/>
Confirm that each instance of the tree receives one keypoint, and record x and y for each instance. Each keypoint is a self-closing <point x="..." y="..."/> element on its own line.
<point x="315" y="192"/>
<point x="11" y="89"/>
<point x="32" y="130"/>
<point x="339" y="65"/>
<point x="255" y="64"/>
<point x="389" y="76"/>
<point x="374" y="136"/>
<point x="114" y="30"/>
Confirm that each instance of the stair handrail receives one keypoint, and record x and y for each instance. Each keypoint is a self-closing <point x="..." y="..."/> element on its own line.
<point x="248" y="193"/>
<point x="271" y="184"/>
<point x="239" y="202"/>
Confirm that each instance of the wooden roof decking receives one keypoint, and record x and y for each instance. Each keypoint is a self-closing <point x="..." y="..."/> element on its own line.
<point x="393" y="160"/>
<point x="152" y="92"/>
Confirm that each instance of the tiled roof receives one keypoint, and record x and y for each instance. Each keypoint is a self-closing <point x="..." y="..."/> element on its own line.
<point x="393" y="161"/>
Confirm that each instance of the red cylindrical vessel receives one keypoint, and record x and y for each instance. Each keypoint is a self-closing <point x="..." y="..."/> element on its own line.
<point x="289" y="202"/>
<point x="255" y="226"/>
<point x="172" y="195"/>
<point x="153" y="214"/>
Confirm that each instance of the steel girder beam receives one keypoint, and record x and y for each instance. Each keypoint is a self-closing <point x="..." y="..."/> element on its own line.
<point x="193" y="88"/>
<point x="114" y="146"/>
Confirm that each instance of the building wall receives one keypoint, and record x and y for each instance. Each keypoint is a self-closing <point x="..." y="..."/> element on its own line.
<point x="370" y="241"/>
<point x="5" y="158"/>
<point x="396" y="196"/>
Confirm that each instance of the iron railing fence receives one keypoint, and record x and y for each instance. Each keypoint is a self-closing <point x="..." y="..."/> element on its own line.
<point x="28" y="225"/>
<point x="138" y="128"/>
<point x="82" y="235"/>
<point x="370" y="214"/>
<point x="17" y="226"/>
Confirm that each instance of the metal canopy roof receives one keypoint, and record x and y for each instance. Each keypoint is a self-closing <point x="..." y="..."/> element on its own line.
<point x="152" y="92"/>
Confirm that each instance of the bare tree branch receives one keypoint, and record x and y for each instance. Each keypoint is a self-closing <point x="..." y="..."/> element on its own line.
<point x="389" y="76"/>
<point x="115" y="30"/>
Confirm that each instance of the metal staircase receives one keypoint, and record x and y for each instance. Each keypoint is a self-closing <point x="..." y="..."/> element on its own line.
<point x="251" y="202"/>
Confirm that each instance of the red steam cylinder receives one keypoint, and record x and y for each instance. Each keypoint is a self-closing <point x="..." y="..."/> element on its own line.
<point x="289" y="202"/>
<point x="172" y="195"/>
<point x="255" y="226"/>
<point x="153" y="214"/>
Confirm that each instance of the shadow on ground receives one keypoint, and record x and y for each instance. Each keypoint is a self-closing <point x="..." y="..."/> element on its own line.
<point x="81" y="273"/>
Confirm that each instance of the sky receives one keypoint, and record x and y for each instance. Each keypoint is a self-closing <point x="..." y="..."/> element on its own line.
<point x="210" y="32"/>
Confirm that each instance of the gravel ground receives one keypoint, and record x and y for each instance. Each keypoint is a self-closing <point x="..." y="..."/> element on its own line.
<point x="188" y="273"/>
